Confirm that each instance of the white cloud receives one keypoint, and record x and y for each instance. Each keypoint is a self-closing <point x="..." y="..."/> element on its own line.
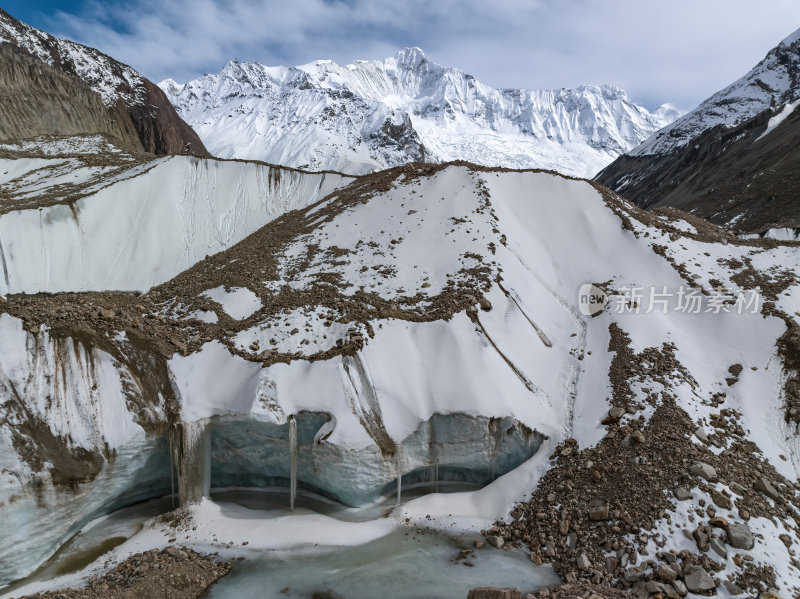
<point x="681" y="51"/>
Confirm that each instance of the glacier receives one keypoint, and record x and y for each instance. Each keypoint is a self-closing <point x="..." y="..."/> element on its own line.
<point x="449" y="347"/>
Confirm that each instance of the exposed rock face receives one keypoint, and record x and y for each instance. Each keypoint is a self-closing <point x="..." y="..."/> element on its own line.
<point x="734" y="159"/>
<point x="57" y="87"/>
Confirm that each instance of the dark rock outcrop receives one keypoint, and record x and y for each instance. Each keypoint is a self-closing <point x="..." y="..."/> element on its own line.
<point x="730" y="176"/>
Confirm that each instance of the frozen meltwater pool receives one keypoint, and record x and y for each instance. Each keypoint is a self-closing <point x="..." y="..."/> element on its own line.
<point x="402" y="565"/>
<point x="406" y="563"/>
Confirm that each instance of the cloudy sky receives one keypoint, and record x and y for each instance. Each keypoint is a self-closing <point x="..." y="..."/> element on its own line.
<point x="677" y="51"/>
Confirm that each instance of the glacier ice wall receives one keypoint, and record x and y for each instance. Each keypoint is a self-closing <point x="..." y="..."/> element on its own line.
<point x="144" y="230"/>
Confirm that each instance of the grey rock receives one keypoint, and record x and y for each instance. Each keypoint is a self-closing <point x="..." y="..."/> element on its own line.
<point x="670" y="592"/>
<point x="721" y="500"/>
<point x="704" y="470"/>
<point x="664" y="572"/>
<point x="701" y="434"/>
<point x="572" y="540"/>
<point x="599" y="513"/>
<point x="770" y="594"/>
<point x="616" y="412"/>
<point x="653" y="586"/>
<point x="766" y="487"/>
<point x="681" y="493"/>
<point x="632" y="575"/>
<point x="698" y="581"/>
<point x="718" y="547"/>
<point x="740" y="536"/>
<point x="680" y="587"/>
<point x="732" y="588"/>
<point x="583" y="562"/>
<point x="495" y="541"/>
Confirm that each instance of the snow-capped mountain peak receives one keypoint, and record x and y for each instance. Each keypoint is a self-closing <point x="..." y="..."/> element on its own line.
<point x="379" y="113"/>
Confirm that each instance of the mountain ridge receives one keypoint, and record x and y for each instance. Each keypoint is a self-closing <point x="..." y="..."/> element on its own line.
<point x="141" y="116"/>
<point x="374" y="114"/>
<point x="733" y="159"/>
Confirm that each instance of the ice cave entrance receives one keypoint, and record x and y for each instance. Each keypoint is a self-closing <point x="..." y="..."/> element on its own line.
<point x="448" y="452"/>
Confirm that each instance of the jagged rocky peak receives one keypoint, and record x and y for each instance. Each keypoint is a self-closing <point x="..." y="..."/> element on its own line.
<point x="57" y="100"/>
<point x="326" y="115"/>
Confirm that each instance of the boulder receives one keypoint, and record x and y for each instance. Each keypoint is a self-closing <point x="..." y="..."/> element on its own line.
<point x="495" y="541"/>
<point x="698" y="581"/>
<point x="681" y="493"/>
<point x="766" y="487"/>
<point x="665" y="573"/>
<point x="721" y="500"/>
<point x="740" y="536"/>
<point x="718" y="547"/>
<point x="583" y="562"/>
<point x="616" y="412"/>
<point x="680" y="587"/>
<point x="732" y="588"/>
<point x="704" y="470"/>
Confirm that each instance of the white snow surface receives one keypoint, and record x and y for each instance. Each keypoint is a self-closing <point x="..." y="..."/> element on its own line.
<point x="167" y="215"/>
<point x="772" y="83"/>
<point x="784" y="112"/>
<point x="374" y="114"/>
<point x="238" y="302"/>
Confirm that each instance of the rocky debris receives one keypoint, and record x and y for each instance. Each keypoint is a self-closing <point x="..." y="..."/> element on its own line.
<point x="740" y="536"/>
<point x="494" y="593"/>
<point x="594" y="514"/>
<point x="578" y="591"/>
<point x="177" y="573"/>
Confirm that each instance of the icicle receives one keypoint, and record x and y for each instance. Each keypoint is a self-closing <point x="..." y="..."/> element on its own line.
<point x="490" y="455"/>
<point x="399" y="469"/>
<point x="171" y="449"/>
<point x="292" y="461"/>
<point x="194" y="463"/>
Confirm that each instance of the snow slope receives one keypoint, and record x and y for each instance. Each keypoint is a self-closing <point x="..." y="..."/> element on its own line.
<point x="401" y="304"/>
<point x="375" y="114"/>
